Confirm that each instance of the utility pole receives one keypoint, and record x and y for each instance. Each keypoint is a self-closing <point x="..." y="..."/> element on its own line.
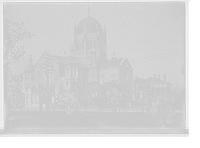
<point x="48" y="68"/>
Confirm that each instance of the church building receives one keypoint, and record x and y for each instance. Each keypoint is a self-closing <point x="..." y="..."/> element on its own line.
<point x="87" y="62"/>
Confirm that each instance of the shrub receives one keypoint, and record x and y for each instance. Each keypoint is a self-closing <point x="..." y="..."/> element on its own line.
<point x="163" y="111"/>
<point x="153" y="110"/>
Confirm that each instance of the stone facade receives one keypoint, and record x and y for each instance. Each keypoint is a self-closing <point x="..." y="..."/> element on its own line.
<point x="87" y="62"/>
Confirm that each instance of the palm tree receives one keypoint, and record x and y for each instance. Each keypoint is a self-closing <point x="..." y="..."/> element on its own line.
<point x="94" y="88"/>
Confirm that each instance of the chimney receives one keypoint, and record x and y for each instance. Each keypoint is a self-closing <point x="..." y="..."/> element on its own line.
<point x="165" y="77"/>
<point x="154" y="76"/>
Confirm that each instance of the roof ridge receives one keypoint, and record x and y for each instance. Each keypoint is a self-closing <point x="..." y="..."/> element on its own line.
<point x="111" y="63"/>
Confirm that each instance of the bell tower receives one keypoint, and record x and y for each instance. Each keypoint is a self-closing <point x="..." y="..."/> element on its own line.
<point x="90" y="45"/>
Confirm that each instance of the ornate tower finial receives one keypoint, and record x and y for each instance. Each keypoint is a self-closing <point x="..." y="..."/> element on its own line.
<point x="89" y="9"/>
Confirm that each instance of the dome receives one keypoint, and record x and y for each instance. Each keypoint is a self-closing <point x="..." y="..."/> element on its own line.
<point x="89" y="24"/>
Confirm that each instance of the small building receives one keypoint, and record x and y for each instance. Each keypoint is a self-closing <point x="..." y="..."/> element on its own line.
<point x="158" y="82"/>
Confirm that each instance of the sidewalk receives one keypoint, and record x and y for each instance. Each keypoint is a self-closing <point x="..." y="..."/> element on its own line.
<point x="92" y="108"/>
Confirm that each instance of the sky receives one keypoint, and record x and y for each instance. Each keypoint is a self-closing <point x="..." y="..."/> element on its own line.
<point x="150" y="35"/>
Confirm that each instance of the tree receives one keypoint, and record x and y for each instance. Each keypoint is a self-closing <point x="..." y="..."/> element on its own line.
<point x="126" y="90"/>
<point x="162" y="111"/>
<point x="69" y="98"/>
<point x="78" y="87"/>
<point x="163" y="93"/>
<point x="17" y="91"/>
<point x="13" y="32"/>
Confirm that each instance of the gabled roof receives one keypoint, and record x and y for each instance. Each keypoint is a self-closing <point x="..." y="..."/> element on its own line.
<point x="111" y="63"/>
<point x="60" y="59"/>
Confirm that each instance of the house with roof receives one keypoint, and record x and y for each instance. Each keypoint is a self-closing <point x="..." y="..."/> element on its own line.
<point x="117" y="69"/>
<point x="86" y="63"/>
<point x="158" y="82"/>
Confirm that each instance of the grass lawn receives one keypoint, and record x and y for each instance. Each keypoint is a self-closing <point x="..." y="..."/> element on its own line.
<point x="58" y="120"/>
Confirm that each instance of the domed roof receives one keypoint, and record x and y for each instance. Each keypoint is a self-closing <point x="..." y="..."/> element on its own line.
<point x="88" y="24"/>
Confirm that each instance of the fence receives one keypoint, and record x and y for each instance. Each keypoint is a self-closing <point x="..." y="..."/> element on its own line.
<point x="92" y="108"/>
